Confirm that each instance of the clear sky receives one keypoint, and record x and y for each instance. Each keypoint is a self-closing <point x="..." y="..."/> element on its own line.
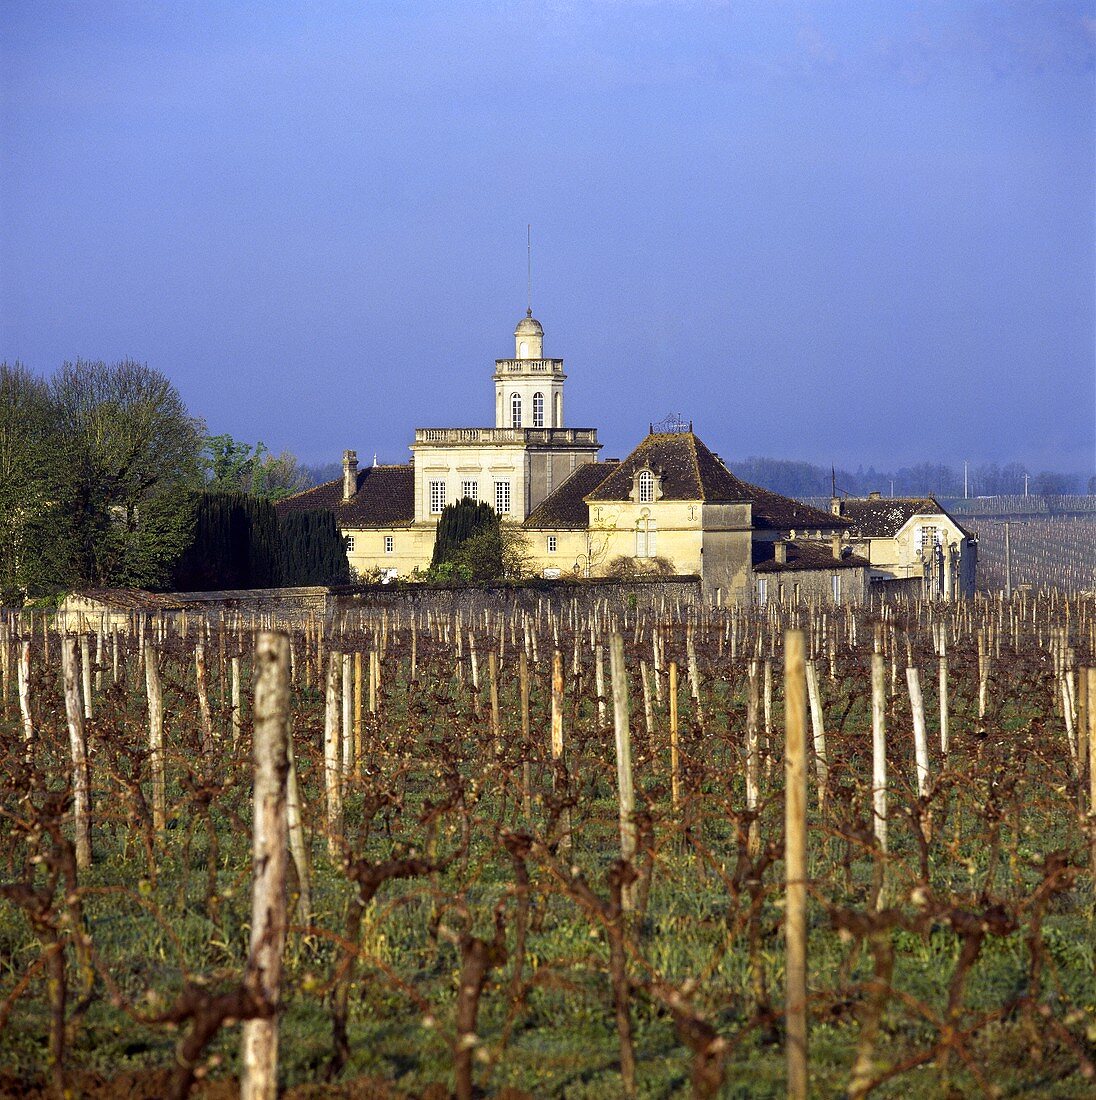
<point x="859" y="231"/>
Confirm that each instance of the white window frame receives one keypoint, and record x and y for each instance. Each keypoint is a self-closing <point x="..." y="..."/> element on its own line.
<point x="436" y="490"/>
<point x="515" y="410"/>
<point x="646" y="487"/>
<point x="469" y="489"/>
<point x="349" y="543"/>
<point x="389" y="544"/>
<point x="552" y="544"/>
<point x="502" y="498"/>
<point x="538" y="410"/>
<point x="762" y="591"/>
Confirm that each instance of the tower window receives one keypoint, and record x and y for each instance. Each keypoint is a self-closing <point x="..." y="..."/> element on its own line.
<point x="538" y="410"/>
<point x="646" y="487"/>
<point x="515" y="410"/>
<point x="470" y="489"/>
<point x="502" y="497"/>
<point x="437" y="497"/>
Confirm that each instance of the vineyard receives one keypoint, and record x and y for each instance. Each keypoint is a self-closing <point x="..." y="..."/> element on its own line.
<point x="1046" y="550"/>
<point x="550" y="853"/>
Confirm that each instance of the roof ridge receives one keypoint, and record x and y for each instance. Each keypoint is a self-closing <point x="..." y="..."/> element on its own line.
<point x="696" y="464"/>
<point x="311" y="489"/>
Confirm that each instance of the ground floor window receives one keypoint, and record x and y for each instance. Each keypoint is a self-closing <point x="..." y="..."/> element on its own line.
<point x="437" y="497"/>
<point x="350" y="544"/>
<point x="551" y="544"/>
<point x="502" y="497"/>
<point x="762" y="591"/>
<point x="389" y="544"/>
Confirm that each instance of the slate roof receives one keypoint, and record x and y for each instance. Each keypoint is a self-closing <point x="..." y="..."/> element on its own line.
<point x="692" y="472"/>
<point x="884" y="517"/>
<point x="565" y="507"/>
<point x="385" y="497"/>
<point x="803" y="556"/>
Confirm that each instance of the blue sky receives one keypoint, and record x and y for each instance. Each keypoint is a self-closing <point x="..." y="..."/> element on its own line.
<point x="856" y="232"/>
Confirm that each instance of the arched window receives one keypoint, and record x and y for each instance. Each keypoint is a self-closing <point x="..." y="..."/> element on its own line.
<point x="538" y="410"/>
<point x="646" y="487"/>
<point x="523" y="350"/>
<point x="515" y="410"/>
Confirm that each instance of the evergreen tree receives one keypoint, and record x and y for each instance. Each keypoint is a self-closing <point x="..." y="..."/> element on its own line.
<point x="234" y="544"/>
<point x="457" y="524"/>
<point x="312" y="549"/>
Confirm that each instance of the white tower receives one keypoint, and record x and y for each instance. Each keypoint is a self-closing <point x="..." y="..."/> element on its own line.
<point x="529" y="388"/>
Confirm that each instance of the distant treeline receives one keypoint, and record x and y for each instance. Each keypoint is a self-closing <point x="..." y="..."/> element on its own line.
<point x="803" y="479"/>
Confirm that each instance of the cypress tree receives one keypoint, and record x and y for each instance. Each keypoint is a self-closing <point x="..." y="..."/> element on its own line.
<point x="457" y="524"/>
<point x="312" y="549"/>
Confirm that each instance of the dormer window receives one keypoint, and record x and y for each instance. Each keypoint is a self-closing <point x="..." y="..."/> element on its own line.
<point x="647" y="485"/>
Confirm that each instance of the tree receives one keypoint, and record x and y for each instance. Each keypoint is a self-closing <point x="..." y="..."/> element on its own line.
<point x="312" y="548"/>
<point x="459" y="522"/>
<point x="35" y="532"/>
<point x="132" y="455"/>
<point x="232" y="466"/>
<point x="234" y="544"/>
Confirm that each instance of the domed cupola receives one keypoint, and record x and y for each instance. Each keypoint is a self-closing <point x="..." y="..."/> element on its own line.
<point x="528" y="338"/>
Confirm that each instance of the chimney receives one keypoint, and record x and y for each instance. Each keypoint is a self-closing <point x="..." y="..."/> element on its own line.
<point x="835" y="505"/>
<point x="875" y="496"/>
<point x="350" y="474"/>
<point x="780" y="549"/>
<point x="836" y="543"/>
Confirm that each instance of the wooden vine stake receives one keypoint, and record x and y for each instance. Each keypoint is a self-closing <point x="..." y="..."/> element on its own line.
<point x="332" y="787"/>
<point x="268" y="865"/>
<point x="155" y="692"/>
<point x="675" y="751"/>
<point x="74" y="711"/>
<point x="625" y="789"/>
<point x="821" y="759"/>
<point x="879" y="749"/>
<point x="236" y="713"/>
<point x="753" y="754"/>
<point x="526" y="743"/>
<point x="24" y="691"/>
<point x="795" y="862"/>
<point x="558" y="761"/>
<point x="920" y="738"/>
<point x="201" y="682"/>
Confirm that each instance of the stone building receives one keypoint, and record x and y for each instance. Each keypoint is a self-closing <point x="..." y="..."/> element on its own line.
<point x="912" y="540"/>
<point x="670" y="499"/>
<point x="673" y="499"/>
